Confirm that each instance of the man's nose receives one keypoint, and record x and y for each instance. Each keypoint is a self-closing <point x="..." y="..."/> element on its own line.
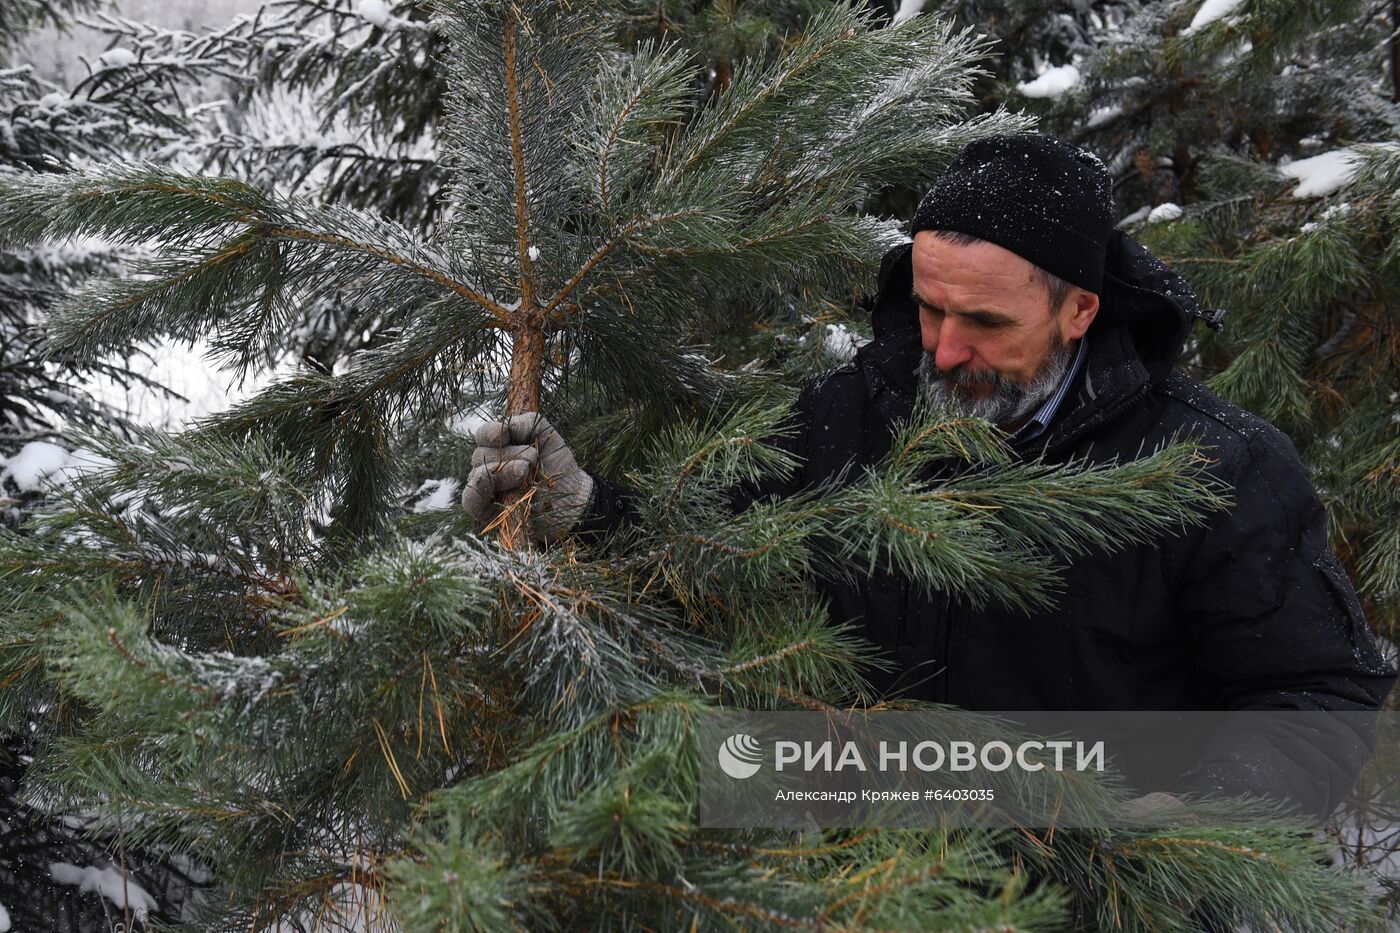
<point x="951" y="349"/>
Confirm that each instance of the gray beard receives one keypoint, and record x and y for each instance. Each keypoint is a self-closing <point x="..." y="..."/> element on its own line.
<point x="1008" y="402"/>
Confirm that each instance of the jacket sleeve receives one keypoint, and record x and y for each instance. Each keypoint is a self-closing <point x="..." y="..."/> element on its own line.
<point x="1276" y="625"/>
<point x="613" y="505"/>
<point x="610" y="506"/>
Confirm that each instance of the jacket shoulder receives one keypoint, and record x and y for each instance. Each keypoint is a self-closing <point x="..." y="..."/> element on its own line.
<point x="1235" y="433"/>
<point x="844" y="414"/>
<point x="835" y="396"/>
<point x="847" y="377"/>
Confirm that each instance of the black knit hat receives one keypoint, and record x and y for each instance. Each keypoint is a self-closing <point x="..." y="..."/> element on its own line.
<point x="1045" y="200"/>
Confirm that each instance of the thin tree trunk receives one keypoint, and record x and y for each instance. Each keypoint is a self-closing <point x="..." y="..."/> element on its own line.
<point x="522" y="395"/>
<point x="527" y="343"/>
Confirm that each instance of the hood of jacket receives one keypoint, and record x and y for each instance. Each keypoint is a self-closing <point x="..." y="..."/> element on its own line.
<point x="1146" y="311"/>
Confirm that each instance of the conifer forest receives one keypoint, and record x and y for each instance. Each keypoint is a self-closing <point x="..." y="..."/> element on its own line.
<point x="267" y="267"/>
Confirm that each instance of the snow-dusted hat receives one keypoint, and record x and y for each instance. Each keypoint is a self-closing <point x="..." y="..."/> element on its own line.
<point x="1045" y="200"/>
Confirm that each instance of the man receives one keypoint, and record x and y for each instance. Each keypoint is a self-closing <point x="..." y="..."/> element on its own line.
<point x="1018" y="302"/>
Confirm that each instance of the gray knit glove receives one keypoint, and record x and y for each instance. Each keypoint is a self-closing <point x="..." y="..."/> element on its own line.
<point x="505" y="452"/>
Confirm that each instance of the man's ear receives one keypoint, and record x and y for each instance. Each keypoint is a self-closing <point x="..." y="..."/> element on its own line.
<point x="1079" y="311"/>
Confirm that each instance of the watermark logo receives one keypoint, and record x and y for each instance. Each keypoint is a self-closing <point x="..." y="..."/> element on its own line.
<point x="740" y="756"/>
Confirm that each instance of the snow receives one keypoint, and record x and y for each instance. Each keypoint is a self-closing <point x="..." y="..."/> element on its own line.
<point x="117" y="58"/>
<point x="840" y="342"/>
<point x="4" y="919"/>
<point x="1209" y="12"/>
<point x="1231" y="55"/>
<point x="1337" y="210"/>
<point x="1167" y="211"/>
<point x="908" y="9"/>
<point x="39" y="463"/>
<point x="54" y="100"/>
<point x="108" y="882"/>
<point x="1101" y="115"/>
<point x="1053" y="83"/>
<point x="80" y="461"/>
<point x="35" y="462"/>
<point x="438" y="494"/>
<point x="188" y="370"/>
<point x="534" y="252"/>
<point x="1322" y="174"/>
<point x="466" y="422"/>
<point x="1136" y="216"/>
<point x="374" y="11"/>
<point x="350" y="907"/>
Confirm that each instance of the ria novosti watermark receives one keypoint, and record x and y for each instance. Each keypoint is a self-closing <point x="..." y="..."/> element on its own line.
<point x="741" y="756"/>
<point x="888" y="768"/>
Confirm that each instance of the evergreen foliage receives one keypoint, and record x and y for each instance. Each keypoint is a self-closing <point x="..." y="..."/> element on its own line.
<point x="232" y="645"/>
<point x="20" y="17"/>
<point x="372" y="82"/>
<point x="132" y="102"/>
<point x="1217" y="122"/>
<point x="1218" y="118"/>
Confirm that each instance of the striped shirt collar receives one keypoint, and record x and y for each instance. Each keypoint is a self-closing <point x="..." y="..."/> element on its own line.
<point x="1043" y="415"/>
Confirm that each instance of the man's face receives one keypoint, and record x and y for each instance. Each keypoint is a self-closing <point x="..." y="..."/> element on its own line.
<point x="993" y="348"/>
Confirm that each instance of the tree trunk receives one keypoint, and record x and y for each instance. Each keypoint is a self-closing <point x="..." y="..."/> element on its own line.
<point x="527" y="339"/>
<point x="522" y="395"/>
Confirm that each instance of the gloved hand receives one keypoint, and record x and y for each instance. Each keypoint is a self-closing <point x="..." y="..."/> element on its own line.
<point x="505" y="453"/>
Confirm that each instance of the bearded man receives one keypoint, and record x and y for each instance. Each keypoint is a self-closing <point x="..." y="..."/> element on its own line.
<point x="1018" y="302"/>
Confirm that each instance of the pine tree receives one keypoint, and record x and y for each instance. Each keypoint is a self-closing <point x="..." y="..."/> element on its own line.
<point x="341" y="102"/>
<point x="234" y="644"/>
<point x="374" y="72"/>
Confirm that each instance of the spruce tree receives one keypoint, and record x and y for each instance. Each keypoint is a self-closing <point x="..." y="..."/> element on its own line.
<point x="235" y="645"/>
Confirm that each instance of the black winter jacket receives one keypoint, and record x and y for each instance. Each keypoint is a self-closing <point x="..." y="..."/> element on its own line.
<point x="1251" y="611"/>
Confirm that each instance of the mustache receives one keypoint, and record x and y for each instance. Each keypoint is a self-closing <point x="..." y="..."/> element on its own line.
<point x="961" y="376"/>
